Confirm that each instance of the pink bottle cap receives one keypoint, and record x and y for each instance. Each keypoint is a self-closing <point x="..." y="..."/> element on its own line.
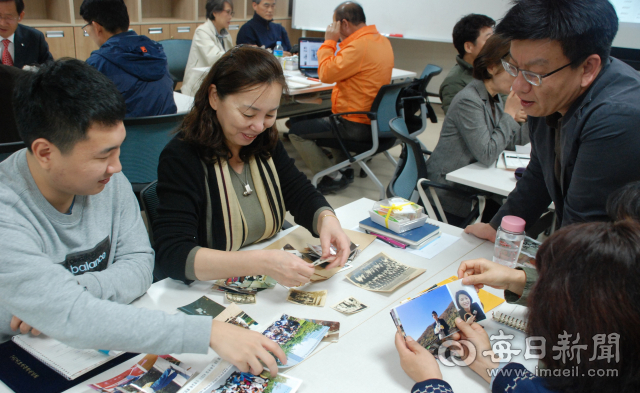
<point x="513" y="224"/>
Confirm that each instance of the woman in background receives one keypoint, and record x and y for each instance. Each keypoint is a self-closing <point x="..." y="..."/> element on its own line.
<point x="478" y="126"/>
<point x="210" y="41"/>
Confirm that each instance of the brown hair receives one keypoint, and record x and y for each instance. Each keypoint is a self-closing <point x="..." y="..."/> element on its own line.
<point x="240" y="69"/>
<point x="589" y="284"/>
<point x="490" y="55"/>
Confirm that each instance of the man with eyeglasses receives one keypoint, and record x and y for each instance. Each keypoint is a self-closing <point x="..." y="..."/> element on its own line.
<point x="583" y="107"/>
<point x="20" y="45"/>
<point x="136" y="64"/>
<point x="261" y="31"/>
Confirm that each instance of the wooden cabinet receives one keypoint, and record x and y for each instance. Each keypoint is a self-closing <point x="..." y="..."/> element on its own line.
<point x="182" y="31"/>
<point x="156" y="32"/>
<point x="60" y="40"/>
<point x="159" y="20"/>
<point x="84" y="44"/>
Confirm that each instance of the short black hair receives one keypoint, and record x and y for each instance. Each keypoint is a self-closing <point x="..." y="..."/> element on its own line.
<point x="467" y="29"/>
<point x="19" y="5"/>
<point x="624" y="203"/>
<point x="583" y="27"/>
<point x="434" y="313"/>
<point x="110" y="14"/>
<point x="351" y="11"/>
<point x="216" y="6"/>
<point x="62" y="100"/>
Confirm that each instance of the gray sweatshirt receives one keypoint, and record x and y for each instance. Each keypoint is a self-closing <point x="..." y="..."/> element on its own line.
<point x="72" y="276"/>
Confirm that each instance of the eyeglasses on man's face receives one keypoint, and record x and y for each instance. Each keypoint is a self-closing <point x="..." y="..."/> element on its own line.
<point x="84" y="28"/>
<point x="533" y="78"/>
<point x="9" y="18"/>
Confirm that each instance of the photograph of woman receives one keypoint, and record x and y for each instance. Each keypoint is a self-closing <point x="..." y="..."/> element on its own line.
<point x="469" y="310"/>
<point x="225" y="181"/>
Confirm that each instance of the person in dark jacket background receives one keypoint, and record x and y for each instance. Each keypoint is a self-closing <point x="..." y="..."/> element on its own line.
<point x="135" y="63"/>
<point x="261" y="30"/>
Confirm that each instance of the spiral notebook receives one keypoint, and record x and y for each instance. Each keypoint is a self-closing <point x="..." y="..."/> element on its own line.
<point x="509" y="320"/>
<point x="65" y="360"/>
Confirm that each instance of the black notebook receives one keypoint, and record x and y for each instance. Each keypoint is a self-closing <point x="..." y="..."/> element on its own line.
<point x="23" y="373"/>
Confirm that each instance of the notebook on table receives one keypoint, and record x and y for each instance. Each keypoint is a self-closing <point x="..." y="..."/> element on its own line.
<point x="414" y="237"/>
<point x="308" y="58"/>
<point x="24" y="373"/>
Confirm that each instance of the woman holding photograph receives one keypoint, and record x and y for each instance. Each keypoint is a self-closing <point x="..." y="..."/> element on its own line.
<point x="469" y="310"/>
<point x="584" y="270"/>
<point x="225" y="181"/>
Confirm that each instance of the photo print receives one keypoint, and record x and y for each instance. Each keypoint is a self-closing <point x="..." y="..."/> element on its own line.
<point x="467" y="302"/>
<point x="305" y="298"/>
<point x="159" y="374"/>
<point x="383" y="274"/>
<point x="429" y="318"/>
<point x="296" y="336"/>
<point x="349" y="305"/>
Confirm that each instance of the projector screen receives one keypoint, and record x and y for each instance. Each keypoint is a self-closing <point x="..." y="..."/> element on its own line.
<point x="433" y="20"/>
<point x="629" y="18"/>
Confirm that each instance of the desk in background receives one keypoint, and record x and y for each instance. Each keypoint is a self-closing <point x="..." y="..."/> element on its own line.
<point x="495" y="180"/>
<point x="365" y="359"/>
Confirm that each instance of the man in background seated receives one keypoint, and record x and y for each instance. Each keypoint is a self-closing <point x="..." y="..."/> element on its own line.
<point x="8" y="76"/>
<point x="75" y="251"/>
<point x="363" y="65"/>
<point x="136" y="64"/>
<point x="469" y="36"/>
<point x="261" y="31"/>
<point x="583" y="108"/>
<point x="20" y="45"/>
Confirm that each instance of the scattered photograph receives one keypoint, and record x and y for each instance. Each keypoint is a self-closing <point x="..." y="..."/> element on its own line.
<point x="334" y="329"/>
<point x="239" y="298"/>
<point x="305" y="298"/>
<point x="349" y="305"/>
<point x="158" y="374"/>
<point x="467" y="302"/>
<point x="383" y="274"/>
<point x="202" y="306"/>
<point x="235" y="316"/>
<point x="296" y="336"/>
<point x="222" y="377"/>
<point x="245" y="284"/>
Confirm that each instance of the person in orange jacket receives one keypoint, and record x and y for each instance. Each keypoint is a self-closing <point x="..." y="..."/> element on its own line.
<point x="362" y="65"/>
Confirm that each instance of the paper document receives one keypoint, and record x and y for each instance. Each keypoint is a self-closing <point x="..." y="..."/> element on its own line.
<point x="435" y="247"/>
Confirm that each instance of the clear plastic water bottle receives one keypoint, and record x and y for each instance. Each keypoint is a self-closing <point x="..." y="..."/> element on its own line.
<point x="278" y="51"/>
<point x="509" y="239"/>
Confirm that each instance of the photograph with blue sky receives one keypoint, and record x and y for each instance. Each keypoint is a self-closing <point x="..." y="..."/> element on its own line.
<point x="415" y="315"/>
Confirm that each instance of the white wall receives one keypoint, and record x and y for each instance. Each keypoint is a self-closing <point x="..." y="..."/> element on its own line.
<point x="414" y="55"/>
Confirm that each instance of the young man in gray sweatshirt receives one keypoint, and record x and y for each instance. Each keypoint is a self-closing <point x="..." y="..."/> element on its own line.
<point x="73" y="248"/>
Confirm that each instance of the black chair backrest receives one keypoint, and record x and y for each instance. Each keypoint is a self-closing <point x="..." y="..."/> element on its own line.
<point x="411" y="164"/>
<point x="149" y="201"/>
<point x="146" y="138"/>
<point x="7" y="149"/>
<point x="385" y="106"/>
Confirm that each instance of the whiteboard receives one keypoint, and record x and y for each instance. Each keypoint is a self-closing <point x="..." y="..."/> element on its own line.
<point x="428" y="20"/>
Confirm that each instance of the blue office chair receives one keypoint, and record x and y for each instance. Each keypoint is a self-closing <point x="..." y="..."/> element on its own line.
<point x="383" y="109"/>
<point x="411" y="179"/>
<point x="416" y="98"/>
<point x="177" y="52"/>
<point x="140" y="151"/>
<point x="7" y="149"/>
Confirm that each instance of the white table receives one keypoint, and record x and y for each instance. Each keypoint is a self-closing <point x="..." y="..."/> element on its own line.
<point x="183" y="102"/>
<point x="396" y="75"/>
<point x="492" y="179"/>
<point x="365" y="358"/>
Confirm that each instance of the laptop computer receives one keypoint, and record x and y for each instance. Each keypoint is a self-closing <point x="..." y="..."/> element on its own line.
<point x="308" y="58"/>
